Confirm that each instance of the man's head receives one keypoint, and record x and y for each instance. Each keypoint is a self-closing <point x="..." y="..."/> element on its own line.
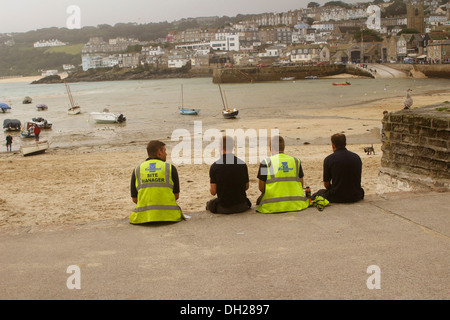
<point x="277" y="144"/>
<point x="338" y="141"/>
<point x="157" y="149"/>
<point x="227" y="144"/>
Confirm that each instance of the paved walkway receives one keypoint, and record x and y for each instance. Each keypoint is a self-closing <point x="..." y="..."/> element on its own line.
<point x="383" y="71"/>
<point x="400" y="242"/>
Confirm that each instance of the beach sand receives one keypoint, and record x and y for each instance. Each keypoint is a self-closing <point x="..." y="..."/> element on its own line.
<point x="73" y="186"/>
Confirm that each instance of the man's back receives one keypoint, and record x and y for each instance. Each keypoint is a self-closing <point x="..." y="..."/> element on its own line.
<point x="230" y="174"/>
<point x="343" y="168"/>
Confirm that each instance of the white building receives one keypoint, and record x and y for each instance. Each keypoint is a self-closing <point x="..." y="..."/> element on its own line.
<point x="177" y="61"/>
<point x="48" y="43"/>
<point x="230" y="43"/>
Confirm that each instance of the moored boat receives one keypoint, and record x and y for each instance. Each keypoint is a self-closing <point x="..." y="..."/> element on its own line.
<point x="35" y="148"/>
<point x="227" y="113"/>
<point x="42" y="123"/>
<point x="74" y="109"/>
<point x="41" y="107"/>
<point x="107" y="117"/>
<point x="11" y="125"/>
<point x="346" y="83"/>
<point x="4" y="108"/>
<point x="187" y="111"/>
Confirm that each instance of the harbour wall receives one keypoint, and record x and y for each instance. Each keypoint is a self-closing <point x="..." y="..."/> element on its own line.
<point x="429" y="70"/>
<point x="255" y="74"/>
<point x="416" y="149"/>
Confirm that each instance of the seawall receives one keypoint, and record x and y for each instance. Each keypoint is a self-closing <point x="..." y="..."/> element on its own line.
<point x="254" y="74"/>
<point x="416" y="149"/>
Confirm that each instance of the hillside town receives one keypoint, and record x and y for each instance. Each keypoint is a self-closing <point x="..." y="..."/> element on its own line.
<point x="317" y="34"/>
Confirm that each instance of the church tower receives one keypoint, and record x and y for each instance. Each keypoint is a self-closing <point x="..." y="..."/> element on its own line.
<point x="415" y="15"/>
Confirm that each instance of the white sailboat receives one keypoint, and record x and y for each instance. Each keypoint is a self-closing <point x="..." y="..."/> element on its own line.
<point x="74" y="109"/>
<point x="226" y="111"/>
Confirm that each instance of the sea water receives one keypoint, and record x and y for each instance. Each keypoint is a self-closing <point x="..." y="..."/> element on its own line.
<point x="151" y="106"/>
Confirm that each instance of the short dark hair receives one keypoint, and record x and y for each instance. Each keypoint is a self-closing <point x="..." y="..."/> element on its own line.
<point x="280" y="141"/>
<point x="227" y="144"/>
<point x="153" y="147"/>
<point x="339" y="140"/>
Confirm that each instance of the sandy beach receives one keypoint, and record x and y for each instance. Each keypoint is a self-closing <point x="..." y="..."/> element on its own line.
<point x="91" y="183"/>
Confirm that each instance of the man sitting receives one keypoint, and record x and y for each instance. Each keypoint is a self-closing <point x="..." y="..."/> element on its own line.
<point x="281" y="181"/>
<point x="342" y="173"/>
<point x="229" y="181"/>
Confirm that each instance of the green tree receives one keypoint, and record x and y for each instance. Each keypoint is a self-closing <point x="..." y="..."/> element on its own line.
<point x="313" y="5"/>
<point x="367" y="35"/>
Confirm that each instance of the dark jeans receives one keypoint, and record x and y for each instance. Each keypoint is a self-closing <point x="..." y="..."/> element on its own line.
<point x="214" y="206"/>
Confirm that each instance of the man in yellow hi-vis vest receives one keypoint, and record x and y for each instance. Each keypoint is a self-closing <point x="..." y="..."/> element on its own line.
<point x="281" y="181"/>
<point x="155" y="188"/>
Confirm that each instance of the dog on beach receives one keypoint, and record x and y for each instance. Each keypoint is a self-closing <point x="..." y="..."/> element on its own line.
<point x="369" y="150"/>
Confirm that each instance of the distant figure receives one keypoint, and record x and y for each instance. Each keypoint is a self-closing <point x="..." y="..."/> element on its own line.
<point x="37" y="131"/>
<point x="408" y="100"/>
<point x="155" y="188"/>
<point x="9" y="140"/>
<point x="281" y="181"/>
<point x="229" y="181"/>
<point x="342" y="172"/>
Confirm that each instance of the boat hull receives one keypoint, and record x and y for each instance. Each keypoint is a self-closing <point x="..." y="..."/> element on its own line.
<point x="230" y="114"/>
<point x="34" y="149"/>
<point x="191" y="112"/>
<point x="107" y="117"/>
<point x="74" y="110"/>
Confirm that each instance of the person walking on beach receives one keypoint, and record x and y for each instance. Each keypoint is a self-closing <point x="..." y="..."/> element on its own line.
<point x="155" y="187"/>
<point x="229" y="181"/>
<point x="281" y="181"/>
<point x="36" y="131"/>
<point x="342" y="172"/>
<point x="9" y="140"/>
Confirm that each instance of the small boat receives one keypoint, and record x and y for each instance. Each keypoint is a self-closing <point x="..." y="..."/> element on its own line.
<point x="42" y="123"/>
<point x="74" y="109"/>
<point x="346" y="83"/>
<point x="4" y="107"/>
<point x="41" y="107"/>
<point x="11" y="125"/>
<point x="27" y="100"/>
<point x="28" y="130"/>
<point x="107" y="117"/>
<point x="226" y="111"/>
<point x="287" y="78"/>
<point x="311" y="77"/>
<point x="32" y="149"/>
<point x="187" y="111"/>
<point x="192" y="112"/>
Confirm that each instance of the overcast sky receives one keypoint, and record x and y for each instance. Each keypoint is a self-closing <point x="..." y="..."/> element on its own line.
<point x="26" y="15"/>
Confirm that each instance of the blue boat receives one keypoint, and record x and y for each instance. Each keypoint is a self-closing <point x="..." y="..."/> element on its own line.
<point x="192" y="112"/>
<point x="4" y="107"/>
<point x="186" y="111"/>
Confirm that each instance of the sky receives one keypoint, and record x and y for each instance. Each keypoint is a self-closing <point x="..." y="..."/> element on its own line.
<point x="27" y="15"/>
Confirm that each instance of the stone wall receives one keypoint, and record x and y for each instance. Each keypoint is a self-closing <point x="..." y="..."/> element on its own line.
<point x="416" y="149"/>
<point x="255" y="74"/>
<point x="429" y="70"/>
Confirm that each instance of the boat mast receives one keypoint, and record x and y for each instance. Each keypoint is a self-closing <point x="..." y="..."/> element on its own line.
<point x="69" y="94"/>
<point x="226" y="102"/>
<point x="182" y="97"/>
<point x="221" y="96"/>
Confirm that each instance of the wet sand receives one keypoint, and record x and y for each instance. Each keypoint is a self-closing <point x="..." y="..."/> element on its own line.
<point x="92" y="182"/>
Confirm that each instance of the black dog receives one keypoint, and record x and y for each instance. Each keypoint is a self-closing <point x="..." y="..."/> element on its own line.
<point x="369" y="150"/>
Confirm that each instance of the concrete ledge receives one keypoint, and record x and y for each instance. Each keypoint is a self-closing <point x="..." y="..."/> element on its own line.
<point x="297" y="255"/>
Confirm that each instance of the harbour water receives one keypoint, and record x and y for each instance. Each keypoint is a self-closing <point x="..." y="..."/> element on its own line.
<point x="151" y="106"/>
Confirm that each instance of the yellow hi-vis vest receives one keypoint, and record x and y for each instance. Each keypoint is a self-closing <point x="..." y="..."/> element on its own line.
<point x="283" y="190"/>
<point x="156" y="201"/>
